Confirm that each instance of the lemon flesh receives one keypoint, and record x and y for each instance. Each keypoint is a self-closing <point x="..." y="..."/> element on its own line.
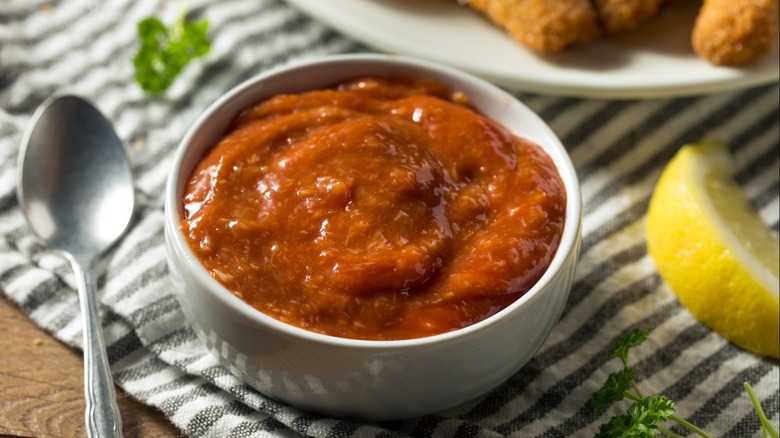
<point x="712" y="249"/>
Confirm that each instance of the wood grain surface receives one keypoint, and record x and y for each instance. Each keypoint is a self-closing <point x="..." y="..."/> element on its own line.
<point x="42" y="386"/>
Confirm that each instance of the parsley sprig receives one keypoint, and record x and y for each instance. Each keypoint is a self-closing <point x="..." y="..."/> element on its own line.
<point x="644" y="416"/>
<point x="164" y="52"/>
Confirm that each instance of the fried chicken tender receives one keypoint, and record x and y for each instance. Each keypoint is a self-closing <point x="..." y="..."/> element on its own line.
<point x="543" y="25"/>
<point x="622" y="15"/>
<point x="735" y="32"/>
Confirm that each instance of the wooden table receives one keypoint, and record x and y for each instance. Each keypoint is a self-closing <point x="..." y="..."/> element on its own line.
<point x="42" y="386"/>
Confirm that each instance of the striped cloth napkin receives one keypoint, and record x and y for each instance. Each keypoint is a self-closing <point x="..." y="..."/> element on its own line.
<point x="618" y="147"/>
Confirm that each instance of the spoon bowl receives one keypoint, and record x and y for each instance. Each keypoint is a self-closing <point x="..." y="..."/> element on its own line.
<point x="76" y="183"/>
<point x="76" y="191"/>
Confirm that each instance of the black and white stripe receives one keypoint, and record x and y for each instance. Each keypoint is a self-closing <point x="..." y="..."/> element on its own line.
<point x="618" y="147"/>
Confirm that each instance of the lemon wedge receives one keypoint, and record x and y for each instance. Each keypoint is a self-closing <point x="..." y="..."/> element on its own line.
<point x="712" y="249"/>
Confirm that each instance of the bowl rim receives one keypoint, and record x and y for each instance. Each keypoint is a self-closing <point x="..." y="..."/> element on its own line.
<point x="569" y="238"/>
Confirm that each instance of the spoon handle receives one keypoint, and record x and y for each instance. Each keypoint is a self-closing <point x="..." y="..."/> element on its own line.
<point x="102" y="414"/>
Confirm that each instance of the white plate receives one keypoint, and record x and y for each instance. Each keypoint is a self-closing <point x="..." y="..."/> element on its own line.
<point x="654" y="61"/>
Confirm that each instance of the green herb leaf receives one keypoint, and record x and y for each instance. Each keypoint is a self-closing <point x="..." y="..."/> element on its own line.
<point x="627" y="342"/>
<point x="651" y="410"/>
<point x="164" y="52"/>
<point x="641" y="421"/>
<point x="623" y="426"/>
<point x="643" y="417"/>
<point x="613" y="389"/>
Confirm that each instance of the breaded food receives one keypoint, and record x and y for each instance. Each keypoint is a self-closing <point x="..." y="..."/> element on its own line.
<point x="735" y="32"/>
<point x="543" y="25"/>
<point x="622" y="15"/>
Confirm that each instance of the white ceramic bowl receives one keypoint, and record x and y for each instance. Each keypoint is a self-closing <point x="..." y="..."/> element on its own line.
<point x="373" y="380"/>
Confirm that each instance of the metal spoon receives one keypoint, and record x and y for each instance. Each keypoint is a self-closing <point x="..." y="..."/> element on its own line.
<point x="76" y="190"/>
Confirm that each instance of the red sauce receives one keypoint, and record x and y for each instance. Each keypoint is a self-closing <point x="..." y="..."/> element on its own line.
<point x="378" y="209"/>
